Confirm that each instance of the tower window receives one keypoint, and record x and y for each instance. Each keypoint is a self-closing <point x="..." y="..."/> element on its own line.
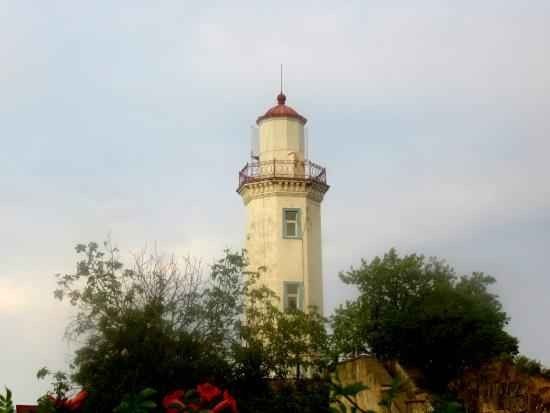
<point x="291" y="223"/>
<point x="293" y="296"/>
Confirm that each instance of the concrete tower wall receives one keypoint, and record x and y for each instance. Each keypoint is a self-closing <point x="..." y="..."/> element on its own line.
<point x="281" y="139"/>
<point x="283" y="259"/>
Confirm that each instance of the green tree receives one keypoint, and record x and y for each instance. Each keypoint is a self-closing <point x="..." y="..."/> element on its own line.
<point x="530" y="366"/>
<point x="347" y="339"/>
<point x="279" y="362"/>
<point x="159" y="323"/>
<point x="104" y="290"/>
<point x="164" y="325"/>
<point x="143" y="351"/>
<point x="291" y="342"/>
<point x="418" y="311"/>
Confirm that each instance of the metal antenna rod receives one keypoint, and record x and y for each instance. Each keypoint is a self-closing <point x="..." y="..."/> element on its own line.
<point x="281" y="78"/>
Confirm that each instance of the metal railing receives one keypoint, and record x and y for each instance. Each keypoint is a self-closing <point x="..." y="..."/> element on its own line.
<point x="288" y="169"/>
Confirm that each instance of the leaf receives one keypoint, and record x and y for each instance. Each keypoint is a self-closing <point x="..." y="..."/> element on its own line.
<point x="149" y="404"/>
<point x="353" y="389"/>
<point x="147" y="393"/>
<point x="43" y="372"/>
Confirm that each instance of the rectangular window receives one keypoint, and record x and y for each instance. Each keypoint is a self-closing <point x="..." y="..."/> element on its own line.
<point x="291" y="223"/>
<point x="293" y="296"/>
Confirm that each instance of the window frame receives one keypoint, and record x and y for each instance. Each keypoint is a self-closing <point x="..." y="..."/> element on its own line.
<point x="299" y="295"/>
<point x="298" y="221"/>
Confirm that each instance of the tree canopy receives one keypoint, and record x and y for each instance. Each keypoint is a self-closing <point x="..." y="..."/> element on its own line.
<point x="418" y="311"/>
<point x="161" y="323"/>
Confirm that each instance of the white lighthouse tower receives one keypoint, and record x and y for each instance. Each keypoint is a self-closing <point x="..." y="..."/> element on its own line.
<point x="282" y="192"/>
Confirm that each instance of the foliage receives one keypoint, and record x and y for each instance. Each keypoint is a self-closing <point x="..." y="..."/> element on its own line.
<point x="57" y="400"/>
<point x="6" y="402"/>
<point x="289" y="396"/>
<point x="137" y="403"/>
<point x="299" y="396"/>
<point x="158" y="324"/>
<point x="60" y="382"/>
<point x="46" y="404"/>
<point x="51" y="404"/>
<point x="143" y="351"/>
<point x="447" y="405"/>
<point x="289" y="342"/>
<point x="340" y="392"/>
<point x="102" y="289"/>
<point x="343" y="398"/>
<point x="529" y="366"/>
<point x="346" y="339"/>
<point x="277" y="350"/>
<point x="416" y="310"/>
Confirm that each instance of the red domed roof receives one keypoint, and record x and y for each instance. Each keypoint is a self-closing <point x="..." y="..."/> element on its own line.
<point x="281" y="111"/>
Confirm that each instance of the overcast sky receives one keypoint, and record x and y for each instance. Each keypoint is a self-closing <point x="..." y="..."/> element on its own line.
<point x="132" y="118"/>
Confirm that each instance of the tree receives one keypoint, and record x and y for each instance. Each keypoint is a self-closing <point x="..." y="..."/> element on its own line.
<point x="280" y="361"/>
<point x="418" y="311"/>
<point x="143" y="351"/>
<point x="291" y="342"/>
<point x="102" y="289"/>
<point x="159" y="323"/>
<point x="346" y="339"/>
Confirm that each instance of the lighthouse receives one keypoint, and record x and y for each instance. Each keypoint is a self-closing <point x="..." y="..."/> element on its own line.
<point x="282" y="191"/>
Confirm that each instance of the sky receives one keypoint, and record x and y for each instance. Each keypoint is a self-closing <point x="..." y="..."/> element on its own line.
<point x="131" y="119"/>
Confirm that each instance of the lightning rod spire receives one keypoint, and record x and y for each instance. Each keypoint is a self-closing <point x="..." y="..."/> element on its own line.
<point x="281" y="78"/>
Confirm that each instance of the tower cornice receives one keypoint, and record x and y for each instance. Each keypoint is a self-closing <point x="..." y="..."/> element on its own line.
<point x="283" y="186"/>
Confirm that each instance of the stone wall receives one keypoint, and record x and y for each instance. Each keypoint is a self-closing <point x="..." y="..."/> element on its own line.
<point x="379" y="377"/>
<point x="500" y="387"/>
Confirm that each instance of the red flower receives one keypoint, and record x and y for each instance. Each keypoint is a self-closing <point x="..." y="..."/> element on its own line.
<point x="76" y="402"/>
<point x="174" y="402"/>
<point x="171" y="399"/>
<point x="208" y="392"/>
<point x="228" y="404"/>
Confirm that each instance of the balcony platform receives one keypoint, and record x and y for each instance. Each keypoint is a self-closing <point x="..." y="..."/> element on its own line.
<point x="282" y="169"/>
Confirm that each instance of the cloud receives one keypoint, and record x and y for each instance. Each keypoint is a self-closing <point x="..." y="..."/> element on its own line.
<point x="13" y="299"/>
<point x="379" y="53"/>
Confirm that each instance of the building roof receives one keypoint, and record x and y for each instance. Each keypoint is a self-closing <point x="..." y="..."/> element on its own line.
<point x="26" y="408"/>
<point x="281" y="110"/>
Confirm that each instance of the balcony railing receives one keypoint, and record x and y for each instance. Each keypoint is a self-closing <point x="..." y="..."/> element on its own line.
<point x="286" y="169"/>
